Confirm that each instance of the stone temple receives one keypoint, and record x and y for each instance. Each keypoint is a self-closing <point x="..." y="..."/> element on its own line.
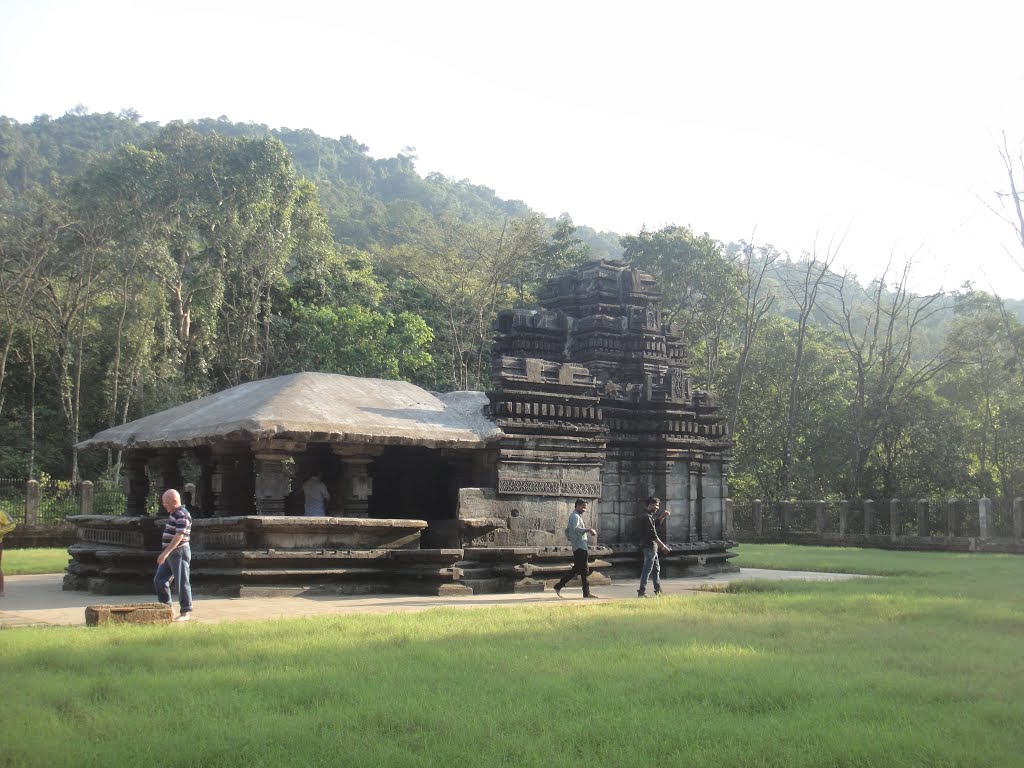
<point x="458" y="493"/>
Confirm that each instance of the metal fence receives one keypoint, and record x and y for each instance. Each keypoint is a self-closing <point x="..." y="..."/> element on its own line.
<point x="12" y="498"/>
<point x="58" y="500"/>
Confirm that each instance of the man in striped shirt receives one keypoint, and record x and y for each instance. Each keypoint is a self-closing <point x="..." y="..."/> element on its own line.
<point x="175" y="558"/>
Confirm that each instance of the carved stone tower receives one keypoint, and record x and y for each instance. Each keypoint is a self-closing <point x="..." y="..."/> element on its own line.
<point x="594" y="398"/>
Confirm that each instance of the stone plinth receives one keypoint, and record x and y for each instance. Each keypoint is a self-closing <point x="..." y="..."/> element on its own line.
<point x="686" y="559"/>
<point x="121" y="532"/>
<point x="551" y="563"/>
<point x="305" y="533"/>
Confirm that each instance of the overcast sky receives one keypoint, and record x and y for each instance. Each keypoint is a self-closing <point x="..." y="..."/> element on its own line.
<point x="877" y="124"/>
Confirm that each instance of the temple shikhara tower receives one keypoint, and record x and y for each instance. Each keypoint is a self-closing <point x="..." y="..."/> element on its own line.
<point x="456" y="493"/>
<point x="594" y="400"/>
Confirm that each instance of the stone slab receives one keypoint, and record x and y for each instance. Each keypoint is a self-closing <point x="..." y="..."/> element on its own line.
<point x="131" y="613"/>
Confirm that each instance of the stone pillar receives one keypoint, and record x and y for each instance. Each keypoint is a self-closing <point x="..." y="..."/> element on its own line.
<point x="220" y="487"/>
<point x="357" y="483"/>
<point x="758" y="517"/>
<point x="895" y="519"/>
<point x="202" y="497"/>
<point x="358" y="486"/>
<point x="728" y="517"/>
<point x="136" y="485"/>
<point x="676" y="499"/>
<point x="844" y="516"/>
<point x="31" y="503"/>
<point x="984" y="518"/>
<point x="787" y="516"/>
<point x="869" y="513"/>
<point x="923" y="524"/>
<point x="85" y="498"/>
<point x="170" y="473"/>
<point x="951" y="526"/>
<point x="272" y="484"/>
<point x="231" y="482"/>
<point x="819" y="517"/>
<point x="696" y="501"/>
<point x="1018" y="518"/>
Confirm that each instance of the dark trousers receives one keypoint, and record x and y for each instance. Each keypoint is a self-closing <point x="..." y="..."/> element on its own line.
<point x="579" y="568"/>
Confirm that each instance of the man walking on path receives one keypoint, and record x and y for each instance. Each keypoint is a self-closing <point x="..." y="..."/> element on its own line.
<point x="576" y="531"/>
<point x="651" y="546"/>
<point x="175" y="559"/>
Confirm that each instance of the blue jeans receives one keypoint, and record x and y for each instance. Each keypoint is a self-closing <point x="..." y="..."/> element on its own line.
<point x="652" y="567"/>
<point x="177" y="565"/>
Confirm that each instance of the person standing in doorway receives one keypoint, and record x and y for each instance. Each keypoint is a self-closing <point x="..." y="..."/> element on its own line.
<point x="651" y="545"/>
<point x="316" y="496"/>
<point x="576" y="531"/>
<point x="175" y="559"/>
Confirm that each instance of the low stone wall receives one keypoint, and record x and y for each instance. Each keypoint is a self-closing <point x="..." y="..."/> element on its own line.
<point x="911" y="543"/>
<point x="24" y="537"/>
<point x="688" y="559"/>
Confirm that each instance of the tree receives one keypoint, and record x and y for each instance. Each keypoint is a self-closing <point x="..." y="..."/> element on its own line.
<point x="803" y="290"/>
<point x="359" y="341"/>
<point x="982" y="389"/>
<point x="1011" y="202"/>
<point x="700" y="284"/>
<point x="879" y="329"/>
<point x="758" y="299"/>
<point x="30" y="240"/>
<point x="816" y="463"/>
<point x="470" y="271"/>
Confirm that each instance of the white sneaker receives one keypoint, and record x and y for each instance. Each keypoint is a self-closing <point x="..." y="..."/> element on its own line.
<point x="182" y="617"/>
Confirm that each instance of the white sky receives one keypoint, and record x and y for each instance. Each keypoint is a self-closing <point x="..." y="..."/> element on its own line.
<point x="880" y="120"/>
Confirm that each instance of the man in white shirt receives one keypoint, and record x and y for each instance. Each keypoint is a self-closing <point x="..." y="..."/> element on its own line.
<point x="316" y="496"/>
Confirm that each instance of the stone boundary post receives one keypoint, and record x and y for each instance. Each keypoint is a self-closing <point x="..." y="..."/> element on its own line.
<point x="895" y="519"/>
<point x="757" y="513"/>
<point x="984" y="517"/>
<point x="1018" y="518"/>
<point x="819" y="522"/>
<point x="844" y="516"/>
<point x="31" y="503"/>
<point x="869" y="513"/>
<point x="86" y="497"/>
<point x="951" y="517"/>
<point x="787" y="516"/>
<point x="923" y="527"/>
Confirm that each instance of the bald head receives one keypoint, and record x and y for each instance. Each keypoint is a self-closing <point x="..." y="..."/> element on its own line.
<point x="171" y="500"/>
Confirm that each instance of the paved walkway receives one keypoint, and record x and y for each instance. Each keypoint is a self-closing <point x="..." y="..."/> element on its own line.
<point x="39" y="600"/>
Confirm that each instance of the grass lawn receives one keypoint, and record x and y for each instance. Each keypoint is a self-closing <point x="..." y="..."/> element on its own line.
<point x="18" y="562"/>
<point x="921" y="668"/>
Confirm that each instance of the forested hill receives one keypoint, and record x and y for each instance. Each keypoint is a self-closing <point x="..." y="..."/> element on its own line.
<point x="368" y="201"/>
<point x="143" y="265"/>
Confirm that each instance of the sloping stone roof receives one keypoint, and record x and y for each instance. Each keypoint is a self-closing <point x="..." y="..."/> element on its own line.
<point x="314" y="407"/>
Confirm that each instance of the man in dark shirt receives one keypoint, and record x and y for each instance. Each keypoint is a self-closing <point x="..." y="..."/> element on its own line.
<point x="175" y="558"/>
<point x="651" y="545"/>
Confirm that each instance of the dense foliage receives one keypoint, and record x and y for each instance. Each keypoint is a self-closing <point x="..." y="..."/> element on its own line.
<point x="144" y="265"/>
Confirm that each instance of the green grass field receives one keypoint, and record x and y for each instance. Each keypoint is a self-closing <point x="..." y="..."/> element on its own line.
<point x="18" y="562"/>
<point x="921" y="668"/>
